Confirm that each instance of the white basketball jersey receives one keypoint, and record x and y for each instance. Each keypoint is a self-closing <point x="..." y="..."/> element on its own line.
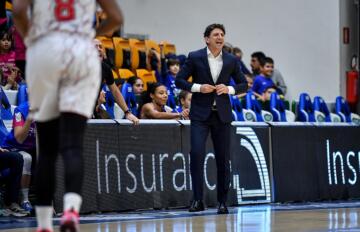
<point x="72" y="16"/>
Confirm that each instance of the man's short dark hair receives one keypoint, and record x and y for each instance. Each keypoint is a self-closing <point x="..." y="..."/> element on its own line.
<point x="172" y="61"/>
<point x="260" y="56"/>
<point x="266" y="60"/>
<point x="213" y="26"/>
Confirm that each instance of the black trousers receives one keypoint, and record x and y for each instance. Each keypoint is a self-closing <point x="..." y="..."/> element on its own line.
<point x="14" y="162"/>
<point x="220" y="135"/>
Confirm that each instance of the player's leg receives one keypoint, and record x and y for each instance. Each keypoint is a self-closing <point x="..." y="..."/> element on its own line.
<point x="43" y="71"/>
<point x="72" y="128"/>
<point x="77" y="94"/>
<point x="45" y="175"/>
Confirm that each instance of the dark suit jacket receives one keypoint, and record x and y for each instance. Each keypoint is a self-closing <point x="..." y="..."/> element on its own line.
<point x="197" y="66"/>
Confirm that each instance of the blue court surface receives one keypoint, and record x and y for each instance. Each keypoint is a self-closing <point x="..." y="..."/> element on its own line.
<point x="329" y="216"/>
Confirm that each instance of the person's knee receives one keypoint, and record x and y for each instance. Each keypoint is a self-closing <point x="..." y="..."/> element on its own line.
<point x="27" y="162"/>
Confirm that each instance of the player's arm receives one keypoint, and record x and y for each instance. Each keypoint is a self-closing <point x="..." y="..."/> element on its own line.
<point x="21" y="128"/>
<point x="150" y="112"/>
<point x="119" y="99"/>
<point x="21" y="20"/>
<point x="114" y="17"/>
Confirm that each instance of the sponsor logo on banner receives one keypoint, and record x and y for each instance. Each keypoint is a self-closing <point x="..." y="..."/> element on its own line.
<point x="251" y="142"/>
<point x="343" y="167"/>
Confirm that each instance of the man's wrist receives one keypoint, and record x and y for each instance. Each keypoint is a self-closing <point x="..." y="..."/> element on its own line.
<point x="126" y="112"/>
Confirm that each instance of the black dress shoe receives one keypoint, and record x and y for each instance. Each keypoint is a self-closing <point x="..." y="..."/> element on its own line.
<point x="196" y="206"/>
<point x="222" y="209"/>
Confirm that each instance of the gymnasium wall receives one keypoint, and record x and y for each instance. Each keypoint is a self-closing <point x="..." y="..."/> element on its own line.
<point x="303" y="37"/>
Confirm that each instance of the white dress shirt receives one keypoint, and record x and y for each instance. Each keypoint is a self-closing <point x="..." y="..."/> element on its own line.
<point x="216" y="64"/>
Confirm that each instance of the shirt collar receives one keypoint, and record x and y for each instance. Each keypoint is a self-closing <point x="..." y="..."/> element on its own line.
<point x="209" y="54"/>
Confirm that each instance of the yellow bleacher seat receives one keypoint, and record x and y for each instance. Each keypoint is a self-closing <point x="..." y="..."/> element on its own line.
<point x="8" y="6"/>
<point x="168" y="48"/>
<point x="125" y="73"/>
<point x="146" y="76"/>
<point x="106" y="42"/>
<point x="115" y="74"/>
<point x="151" y="44"/>
<point x="122" y="53"/>
<point x="138" y="54"/>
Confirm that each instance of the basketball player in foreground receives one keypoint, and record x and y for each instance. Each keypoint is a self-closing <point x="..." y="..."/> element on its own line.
<point x="63" y="77"/>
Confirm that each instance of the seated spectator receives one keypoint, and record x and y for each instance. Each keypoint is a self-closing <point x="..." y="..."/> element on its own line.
<point x="154" y="104"/>
<point x="137" y="85"/>
<point x="169" y="79"/>
<point x="100" y="108"/>
<point x="267" y="93"/>
<point x="276" y="76"/>
<point x="263" y="80"/>
<point x="238" y="54"/>
<point x="255" y="63"/>
<point x="22" y="139"/>
<point x="185" y="101"/>
<point x="12" y="163"/>
<point x="10" y="73"/>
<point x="138" y="88"/>
<point x="250" y="81"/>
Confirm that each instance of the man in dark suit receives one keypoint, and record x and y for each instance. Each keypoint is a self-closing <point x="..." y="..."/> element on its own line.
<point x="211" y="69"/>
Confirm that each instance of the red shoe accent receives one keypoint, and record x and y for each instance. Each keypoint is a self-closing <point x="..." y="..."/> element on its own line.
<point x="69" y="221"/>
<point x="43" y="230"/>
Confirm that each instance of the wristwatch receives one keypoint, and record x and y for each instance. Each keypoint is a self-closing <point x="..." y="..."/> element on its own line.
<point x="127" y="112"/>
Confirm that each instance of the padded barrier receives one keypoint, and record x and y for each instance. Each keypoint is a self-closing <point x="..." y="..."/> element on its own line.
<point x="147" y="166"/>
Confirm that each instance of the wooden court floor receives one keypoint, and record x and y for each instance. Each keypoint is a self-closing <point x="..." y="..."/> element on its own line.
<point x="339" y="216"/>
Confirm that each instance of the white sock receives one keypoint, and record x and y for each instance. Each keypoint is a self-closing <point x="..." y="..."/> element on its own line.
<point x="25" y="194"/>
<point x="72" y="201"/>
<point x="44" y="217"/>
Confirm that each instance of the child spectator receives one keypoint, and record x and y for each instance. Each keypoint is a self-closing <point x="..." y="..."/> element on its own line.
<point x="22" y="139"/>
<point x="263" y="80"/>
<point x="100" y="108"/>
<point x="154" y="104"/>
<point x="10" y="73"/>
<point x="185" y="101"/>
<point x="250" y="81"/>
<point x="169" y="80"/>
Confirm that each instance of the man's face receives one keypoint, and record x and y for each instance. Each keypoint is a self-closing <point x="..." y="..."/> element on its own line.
<point x="268" y="69"/>
<point x="100" y="48"/>
<point x="216" y="39"/>
<point x="255" y="64"/>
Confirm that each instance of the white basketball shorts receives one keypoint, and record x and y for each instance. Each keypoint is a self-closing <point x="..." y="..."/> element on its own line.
<point x="63" y="74"/>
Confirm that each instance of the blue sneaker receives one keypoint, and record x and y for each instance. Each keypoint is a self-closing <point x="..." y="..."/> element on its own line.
<point x="26" y="205"/>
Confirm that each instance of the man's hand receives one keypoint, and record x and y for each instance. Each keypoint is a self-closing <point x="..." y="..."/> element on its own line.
<point x="222" y="89"/>
<point x="185" y="114"/>
<point x="132" y="118"/>
<point x="206" y="88"/>
<point x="3" y="150"/>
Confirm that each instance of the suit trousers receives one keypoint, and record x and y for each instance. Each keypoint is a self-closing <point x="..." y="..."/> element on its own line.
<point x="220" y="135"/>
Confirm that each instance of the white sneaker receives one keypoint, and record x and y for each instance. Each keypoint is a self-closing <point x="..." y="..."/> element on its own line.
<point x="9" y="212"/>
<point x="14" y="207"/>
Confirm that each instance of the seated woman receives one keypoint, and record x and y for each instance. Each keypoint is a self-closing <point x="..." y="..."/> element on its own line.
<point x="137" y="85"/>
<point x="154" y="104"/>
